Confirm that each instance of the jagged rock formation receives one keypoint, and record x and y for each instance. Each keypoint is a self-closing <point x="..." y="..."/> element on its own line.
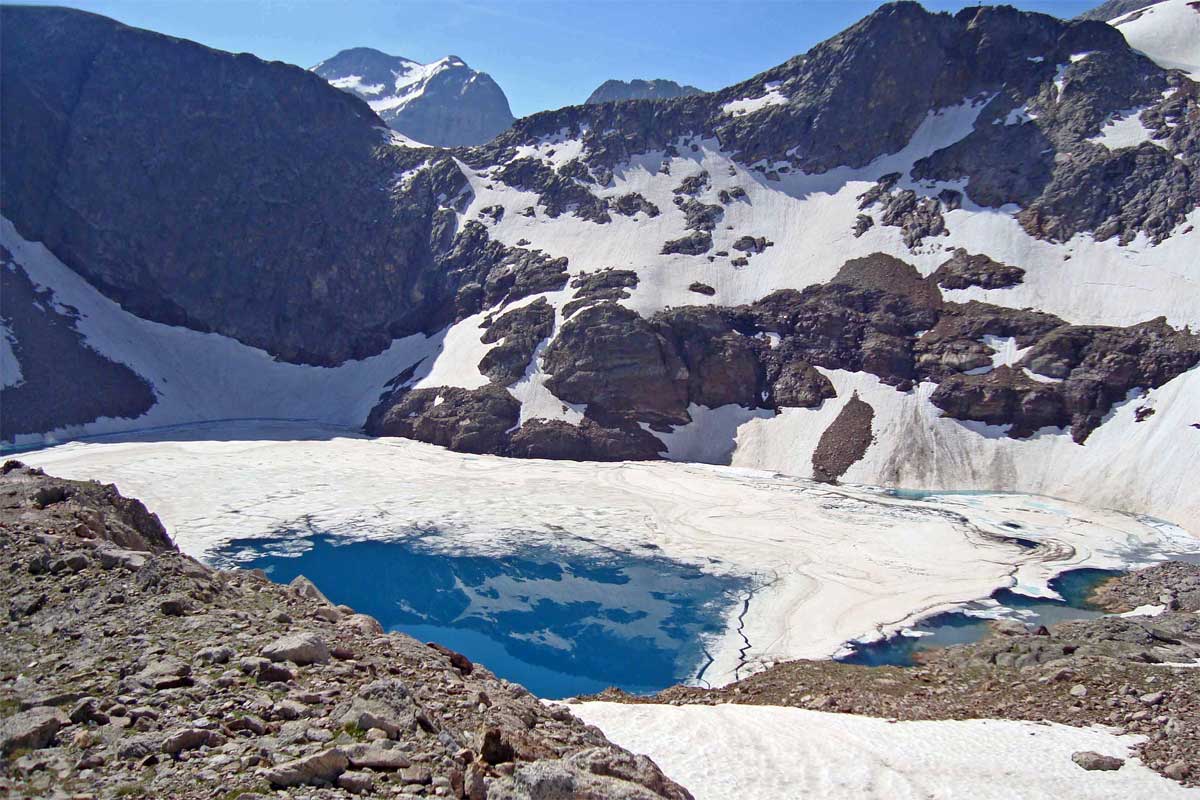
<point x="189" y="682"/>
<point x="445" y="103"/>
<point x="637" y="89"/>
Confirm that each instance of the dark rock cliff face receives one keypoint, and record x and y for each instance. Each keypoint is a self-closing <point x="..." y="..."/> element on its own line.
<point x="447" y="103"/>
<point x="637" y="89"/>
<point x="206" y="189"/>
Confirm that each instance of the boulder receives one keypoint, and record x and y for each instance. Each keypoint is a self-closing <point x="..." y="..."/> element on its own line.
<point x="31" y="730"/>
<point x="301" y="648"/>
<point x="318" y="768"/>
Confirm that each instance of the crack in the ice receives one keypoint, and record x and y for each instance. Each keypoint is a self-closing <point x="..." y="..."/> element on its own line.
<point x="741" y="624"/>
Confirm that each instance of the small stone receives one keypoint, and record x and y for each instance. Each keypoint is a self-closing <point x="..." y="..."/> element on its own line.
<point x="173" y="607"/>
<point x="1079" y="690"/>
<point x="418" y="773"/>
<point x="1090" y="760"/>
<point x="219" y="654"/>
<point x="356" y="782"/>
<point x="289" y="709"/>
<point x="168" y="673"/>
<point x="1152" y="699"/>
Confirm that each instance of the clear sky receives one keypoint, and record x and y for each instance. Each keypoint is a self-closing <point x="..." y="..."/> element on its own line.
<point x="543" y="53"/>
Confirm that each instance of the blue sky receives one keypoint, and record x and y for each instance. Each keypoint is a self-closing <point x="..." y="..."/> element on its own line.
<point x="544" y="53"/>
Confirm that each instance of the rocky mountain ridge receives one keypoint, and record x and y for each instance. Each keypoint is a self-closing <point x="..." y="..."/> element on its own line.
<point x="445" y="103"/>
<point x="638" y="89"/>
<point x="131" y="670"/>
<point x="626" y="279"/>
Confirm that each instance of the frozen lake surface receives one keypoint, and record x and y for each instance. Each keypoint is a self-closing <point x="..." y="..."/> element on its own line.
<point x="821" y="566"/>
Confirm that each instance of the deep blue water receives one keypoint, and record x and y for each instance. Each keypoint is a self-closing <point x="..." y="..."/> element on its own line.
<point x="559" y="624"/>
<point x="955" y="627"/>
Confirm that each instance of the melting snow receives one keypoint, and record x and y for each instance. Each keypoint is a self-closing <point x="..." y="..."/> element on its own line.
<point x="1125" y="129"/>
<point x="748" y="105"/>
<point x="767" y="752"/>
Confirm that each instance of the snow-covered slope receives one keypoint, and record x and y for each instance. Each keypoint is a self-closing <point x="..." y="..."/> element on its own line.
<point x="1168" y="32"/>
<point x="765" y="752"/>
<point x="444" y="103"/>
<point x="194" y="376"/>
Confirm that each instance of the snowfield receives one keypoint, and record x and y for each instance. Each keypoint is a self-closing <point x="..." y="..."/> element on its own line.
<point x="1167" y="32"/>
<point x="829" y="565"/>
<point x="768" y="753"/>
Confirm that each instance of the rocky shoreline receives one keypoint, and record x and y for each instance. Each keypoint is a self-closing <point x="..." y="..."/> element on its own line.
<point x="1137" y="674"/>
<point x="131" y="670"/>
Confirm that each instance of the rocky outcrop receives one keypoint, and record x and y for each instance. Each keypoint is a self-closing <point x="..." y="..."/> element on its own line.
<point x="694" y="244"/>
<point x="191" y="706"/>
<point x="445" y="103"/>
<point x="963" y="270"/>
<point x="614" y="360"/>
<point x="595" y="287"/>
<point x="466" y="420"/>
<point x="518" y="332"/>
<point x="659" y="89"/>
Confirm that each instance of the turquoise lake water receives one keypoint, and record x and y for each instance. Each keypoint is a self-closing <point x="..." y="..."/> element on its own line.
<point x="956" y="627"/>
<point x="561" y="624"/>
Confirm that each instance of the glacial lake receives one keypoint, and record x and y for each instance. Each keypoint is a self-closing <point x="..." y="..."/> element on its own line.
<point x="560" y="623"/>
<point x="970" y="624"/>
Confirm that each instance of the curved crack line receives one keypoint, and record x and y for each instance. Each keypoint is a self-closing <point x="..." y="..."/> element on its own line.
<point x="741" y="624"/>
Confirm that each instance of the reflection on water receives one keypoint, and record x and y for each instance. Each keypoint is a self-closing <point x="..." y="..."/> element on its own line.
<point x="973" y="623"/>
<point x="560" y="624"/>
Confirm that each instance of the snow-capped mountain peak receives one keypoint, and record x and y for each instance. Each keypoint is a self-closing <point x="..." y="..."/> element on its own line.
<point x="444" y="102"/>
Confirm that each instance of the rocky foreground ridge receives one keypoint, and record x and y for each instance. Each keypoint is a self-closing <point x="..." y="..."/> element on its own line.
<point x="131" y="670"/>
<point x="1135" y="674"/>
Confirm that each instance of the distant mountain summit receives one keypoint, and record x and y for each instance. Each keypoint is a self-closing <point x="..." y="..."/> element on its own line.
<point x="444" y="103"/>
<point x="637" y="89"/>
<point x="1111" y="9"/>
